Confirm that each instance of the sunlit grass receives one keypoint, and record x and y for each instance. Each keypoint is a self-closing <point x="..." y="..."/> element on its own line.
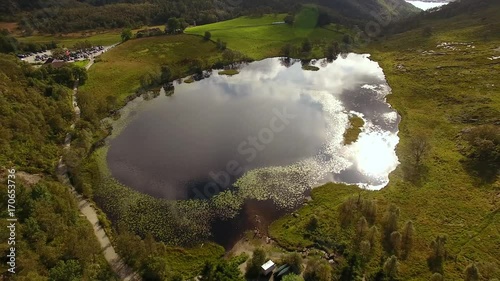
<point x="259" y="38"/>
<point x="435" y="95"/>
<point x="120" y="71"/>
<point x="81" y="63"/>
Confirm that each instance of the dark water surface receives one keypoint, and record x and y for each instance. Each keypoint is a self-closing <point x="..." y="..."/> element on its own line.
<point x="285" y="122"/>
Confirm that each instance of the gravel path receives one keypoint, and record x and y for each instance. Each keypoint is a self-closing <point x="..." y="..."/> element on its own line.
<point x="119" y="267"/>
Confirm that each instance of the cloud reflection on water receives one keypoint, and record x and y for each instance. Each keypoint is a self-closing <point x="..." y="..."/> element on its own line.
<point x="174" y="142"/>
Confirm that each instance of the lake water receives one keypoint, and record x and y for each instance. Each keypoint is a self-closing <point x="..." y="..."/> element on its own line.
<point x="268" y="134"/>
<point x="426" y="5"/>
<point x="200" y="140"/>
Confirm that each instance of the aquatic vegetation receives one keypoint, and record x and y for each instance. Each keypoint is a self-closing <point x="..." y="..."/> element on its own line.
<point x="227" y="204"/>
<point x="285" y="186"/>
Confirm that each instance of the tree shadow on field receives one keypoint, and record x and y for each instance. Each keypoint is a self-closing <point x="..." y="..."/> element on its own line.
<point x="483" y="173"/>
<point x="416" y="174"/>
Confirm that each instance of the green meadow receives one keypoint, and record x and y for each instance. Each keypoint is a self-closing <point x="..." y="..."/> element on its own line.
<point x="260" y="37"/>
<point x="439" y="96"/>
<point x="81" y="63"/>
<point x="119" y="71"/>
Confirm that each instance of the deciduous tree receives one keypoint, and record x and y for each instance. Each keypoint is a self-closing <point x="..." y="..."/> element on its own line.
<point x="436" y="277"/>
<point x="391" y="267"/>
<point x="390" y="224"/>
<point x="471" y="273"/>
<point x="438" y="254"/>
<point x="254" y="264"/>
<point x="407" y="239"/>
<point x="173" y="24"/>
<point x="396" y="243"/>
<point x="318" y="270"/>
<point x="361" y="228"/>
<point x="289" y="19"/>
<point x="295" y="261"/>
<point x="207" y="35"/>
<point x="306" y="46"/>
<point x="126" y="34"/>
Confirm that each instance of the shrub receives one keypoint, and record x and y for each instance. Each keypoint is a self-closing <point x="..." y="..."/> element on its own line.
<point x="295" y="262"/>
<point x="318" y="270"/>
<point x="207" y="35"/>
<point x="254" y="264"/>
<point x="483" y="152"/>
<point x="306" y="46"/>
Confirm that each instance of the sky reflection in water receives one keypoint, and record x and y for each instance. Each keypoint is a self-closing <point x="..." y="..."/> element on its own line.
<point x="173" y="144"/>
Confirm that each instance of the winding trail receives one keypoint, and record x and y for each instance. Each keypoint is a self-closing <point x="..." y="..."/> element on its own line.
<point x="86" y="209"/>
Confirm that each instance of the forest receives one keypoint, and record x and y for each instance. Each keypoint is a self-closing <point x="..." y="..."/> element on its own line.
<point x="35" y="115"/>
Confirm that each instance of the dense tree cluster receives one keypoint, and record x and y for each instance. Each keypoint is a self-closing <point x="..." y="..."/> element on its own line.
<point x="318" y="270"/>
<point x="221" y="271"/>
<point x="9" y="44"/>
<point x="35" y="113"/>
<point x="35" y="117"/>
<point x="483" y="150"/>
<point x="53" y="241"/>
<point x="438" y="254"/>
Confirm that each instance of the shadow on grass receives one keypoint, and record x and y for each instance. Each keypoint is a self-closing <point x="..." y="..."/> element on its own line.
<point x="483" y="172"/>
<point x="415" y="174"/>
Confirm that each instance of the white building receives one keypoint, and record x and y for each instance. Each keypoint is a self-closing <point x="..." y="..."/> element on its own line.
<point x="268" y="267"/>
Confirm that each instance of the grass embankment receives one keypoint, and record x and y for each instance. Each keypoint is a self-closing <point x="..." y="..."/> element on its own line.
<point x="119" y="72"/>
<point x="438" y="95"/>
<point x="258" y="37"/>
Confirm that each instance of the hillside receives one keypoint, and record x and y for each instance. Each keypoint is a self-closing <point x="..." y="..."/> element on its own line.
<point x="444" y="86"/>
<point x="51" y="239"/>
<point x="72" y="15"/>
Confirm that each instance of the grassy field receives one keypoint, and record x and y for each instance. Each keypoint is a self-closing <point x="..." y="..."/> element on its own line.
<point x="68" y="40"/>
<point x="120" y="71"/>
<point x="437" y="95"/>
<point x="258" y="37"/>
<point x="190" y="261"/>
<point x="81" y="63"/>
<point x="104" y="38"/>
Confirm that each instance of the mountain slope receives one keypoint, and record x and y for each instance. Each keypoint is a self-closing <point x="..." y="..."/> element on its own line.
<point x="71" y="15"/>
